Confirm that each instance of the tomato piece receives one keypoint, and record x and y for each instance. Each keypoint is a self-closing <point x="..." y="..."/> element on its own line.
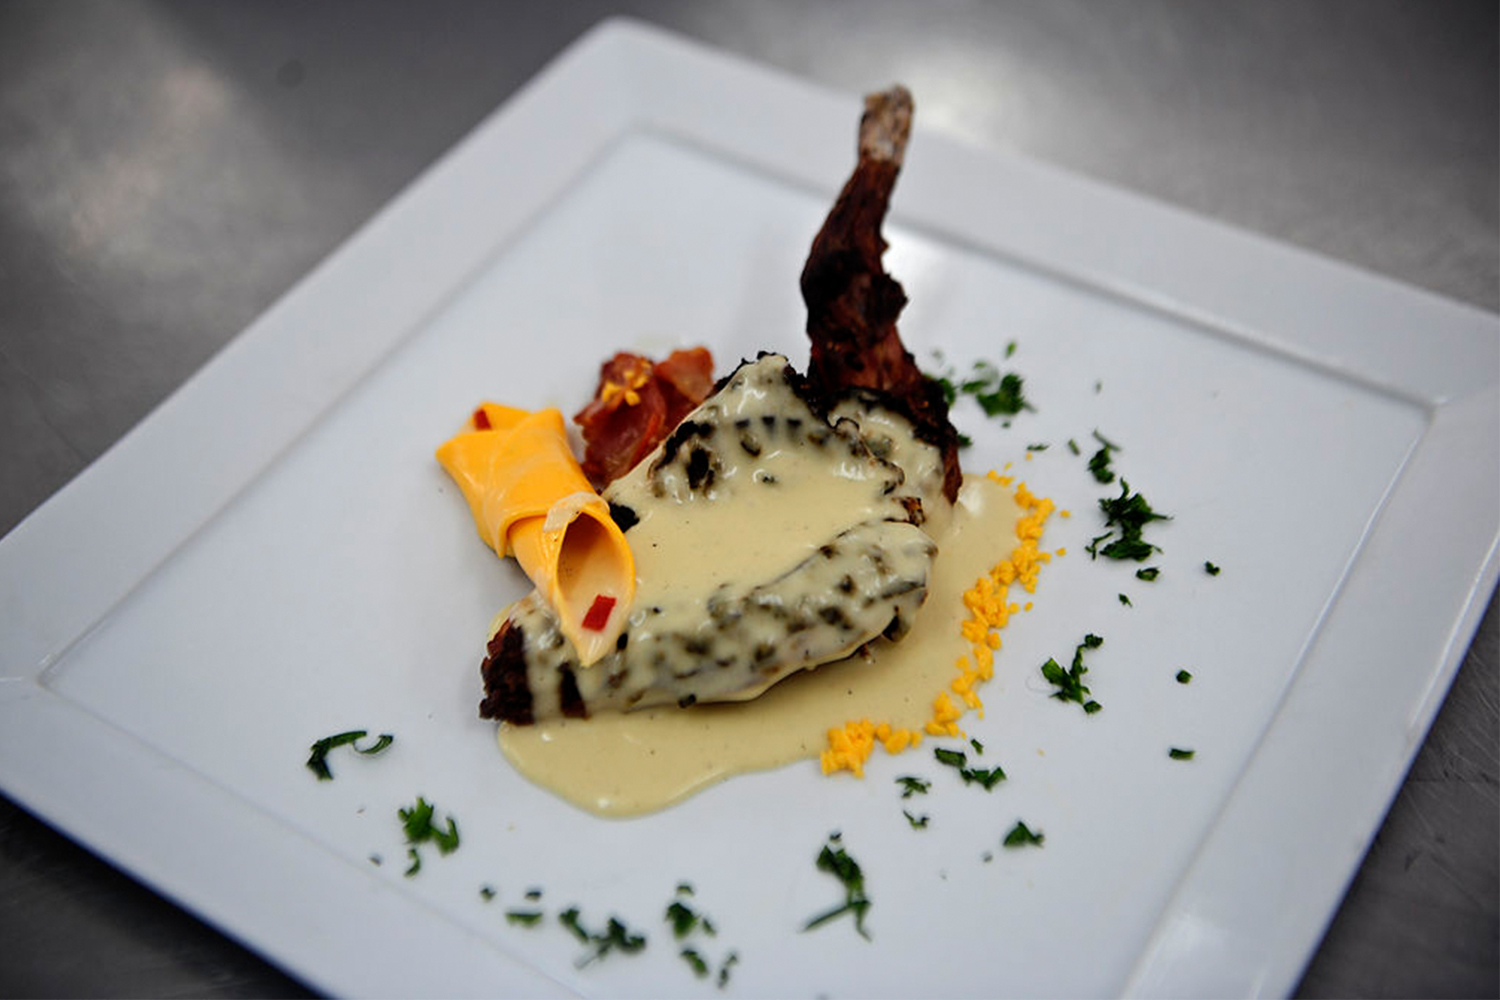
<point x="598" y="615"/>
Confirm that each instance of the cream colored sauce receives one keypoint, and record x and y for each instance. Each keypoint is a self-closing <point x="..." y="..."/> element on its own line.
<point x="627" y="764"/>
<point x="766" y="532"/>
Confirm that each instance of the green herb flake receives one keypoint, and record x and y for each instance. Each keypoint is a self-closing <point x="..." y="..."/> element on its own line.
<point x="952" y="758"/>
<point x="1210" y="569"/>
<point x="838" y="863"/>
<point x="317" y="761"/>
<point x="486" y="892"/>
<point x="1069" y="683"/>
<point x="912" y="786"/>
<point x="1177" y="753"/>
<point x="1183" y="677"/>
<point x="1126" y="601"/>
<point x="1073" y="447"/>
<point x="730" y="961"/>
<point x="418" y="824"/>
<point x="533" y="894"/>
<point x="1021" y="835"/>
<point x="1149" y="574"/>
<point x="695" y="962"/>
<point x="1010" y="348"/>
<point x="958" y="760"/>
<point x="615" y="937"/>
<point x="964" y="441"/>
<point x="682" y="918"/>
<point x="978" y="747"/>
<point x="916" y="822"/>
<point x="1037" y="447"/>
<point x="523" y="918"/>
<point x="569" y="919"/>
<point x="1128" y="513"/>
<point x="376" y="860"/>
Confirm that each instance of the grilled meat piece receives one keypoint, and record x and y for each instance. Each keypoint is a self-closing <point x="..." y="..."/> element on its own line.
<point x="766" y="539"/>
<point x="852" y="304"/>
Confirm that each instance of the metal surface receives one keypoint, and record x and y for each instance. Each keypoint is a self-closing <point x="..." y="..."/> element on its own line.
<point x="167" y="170"/>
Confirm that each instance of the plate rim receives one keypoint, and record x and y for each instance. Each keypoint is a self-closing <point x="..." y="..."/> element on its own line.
<point x="623" y="76"/>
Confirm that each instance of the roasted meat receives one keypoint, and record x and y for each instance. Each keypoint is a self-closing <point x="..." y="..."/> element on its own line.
<point x="852" y="304"/>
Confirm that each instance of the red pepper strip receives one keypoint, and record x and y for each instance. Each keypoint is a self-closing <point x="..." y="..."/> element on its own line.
<point x="598" y="614"/>
<point x="481" y="420"/>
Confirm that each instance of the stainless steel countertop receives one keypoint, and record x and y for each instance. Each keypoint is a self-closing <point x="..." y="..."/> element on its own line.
<point x="167" y="170"/>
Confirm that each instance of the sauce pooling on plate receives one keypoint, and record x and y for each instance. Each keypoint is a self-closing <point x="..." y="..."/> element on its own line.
<point x="627" y="764"/>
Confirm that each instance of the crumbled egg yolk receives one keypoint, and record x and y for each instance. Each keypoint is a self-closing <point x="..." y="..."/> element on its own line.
<point x="851" y="744"/>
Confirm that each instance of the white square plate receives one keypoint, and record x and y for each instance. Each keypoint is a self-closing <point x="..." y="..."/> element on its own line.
<point x="273" y="556"/>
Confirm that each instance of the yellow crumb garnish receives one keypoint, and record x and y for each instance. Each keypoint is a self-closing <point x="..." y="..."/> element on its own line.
<point x="850" y="745"/>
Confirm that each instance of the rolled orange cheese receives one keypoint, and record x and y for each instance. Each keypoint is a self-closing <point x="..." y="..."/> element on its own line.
<point x="531" y="500"/>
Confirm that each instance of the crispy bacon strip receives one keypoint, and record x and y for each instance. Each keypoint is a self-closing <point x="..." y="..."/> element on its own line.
<point x="637" y="404"/>
<point x="852" y="304"/>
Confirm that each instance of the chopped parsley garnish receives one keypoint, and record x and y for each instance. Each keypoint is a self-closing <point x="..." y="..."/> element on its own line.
<point x="1073" y="447"/>
<point x="525" y="918"/>
<point x="420" y="829"/>
<point x="959" y="760"/>
<point x="569" y="919"/>
<point x="1126" y="601"/>
<point x="317" y="762"/>
<point x="1210" y="569"/>
<point x="1148" y="574"/>
<point x="1099" y="461"/>
<point x="964" y="441"/>
<point x="998" y="395"/>
<point x="615" y="937"/>
<point x="683" y="918"/>
<point x="998" y="398"/>
<point x="978" y="747"/>
<point x="912" y="786"/>
<point x="486" y="892"/>
<point x="1010" y="348"/>
<point x="533" y="894"/>
<point x="695" y="962"/>
<point x="1037" y="447"/>
<point x="1183" y="677"/>
<point x="730" y="960"/>
<point x="917" y="823"/>
<point x="1069" y="683"/>
<point x="837" y="862"/>
<point x="1128" y="513"/>
<point x="1177" y="753"/>
<point x="1021" y="835"/>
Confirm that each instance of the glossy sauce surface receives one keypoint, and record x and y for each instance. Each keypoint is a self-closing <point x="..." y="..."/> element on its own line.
<point x="626" y="764"/>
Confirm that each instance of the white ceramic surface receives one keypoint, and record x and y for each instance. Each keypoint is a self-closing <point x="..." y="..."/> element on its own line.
<point x="273" y="556"/>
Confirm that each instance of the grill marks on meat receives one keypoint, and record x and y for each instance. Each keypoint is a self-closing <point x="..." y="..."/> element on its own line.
<point x="852" y="304"/>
